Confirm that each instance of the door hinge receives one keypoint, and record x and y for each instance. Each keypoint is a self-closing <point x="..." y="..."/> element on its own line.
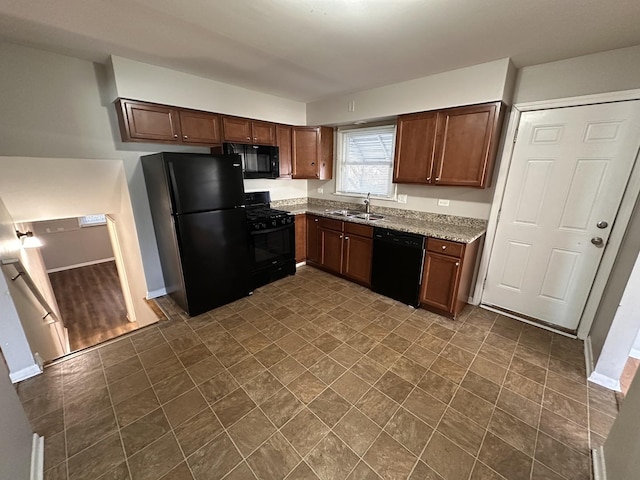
<point x="515" y="136"/>
<point x="499" y="213"/>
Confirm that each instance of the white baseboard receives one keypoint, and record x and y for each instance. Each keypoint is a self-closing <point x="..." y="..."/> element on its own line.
<point x="156" y="293"/>
<point x="588" y="356"/>
<point x="301" y="264"/>
<point x="28" y="372"/>
<point x="599" y="470"/>
<point x="83" y="264"/>
<point x="635" y="353"/>
<point x="37" y="457"/>
<point x="604" y="381"/>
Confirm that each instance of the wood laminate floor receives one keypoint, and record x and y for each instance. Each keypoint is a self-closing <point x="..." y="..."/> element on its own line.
<point x="91" y="304"/>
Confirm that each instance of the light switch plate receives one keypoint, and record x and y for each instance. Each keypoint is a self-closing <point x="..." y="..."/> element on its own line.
<point x="443" y="203"/>
<point x="402" y="199"/>
<point x="320" y="190"/>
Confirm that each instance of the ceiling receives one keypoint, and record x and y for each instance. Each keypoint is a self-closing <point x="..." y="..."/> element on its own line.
<point x="312" y="49"/>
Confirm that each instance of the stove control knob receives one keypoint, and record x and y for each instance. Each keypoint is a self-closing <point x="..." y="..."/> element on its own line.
<point x="273" y="223"/>
<point x="264" y="225"/>
<point x="256" y="226"/>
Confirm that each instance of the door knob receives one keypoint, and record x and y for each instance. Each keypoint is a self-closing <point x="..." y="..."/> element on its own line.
<point x="602" y="224"/>
<point x="597" y="241"/>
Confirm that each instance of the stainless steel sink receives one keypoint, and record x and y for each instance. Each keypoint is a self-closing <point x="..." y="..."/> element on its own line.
<point x="345" y="213"/>
<point x="372" y="217"/>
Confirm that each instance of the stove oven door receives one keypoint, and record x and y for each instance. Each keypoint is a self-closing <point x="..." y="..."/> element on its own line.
<point x="272" y="247"/>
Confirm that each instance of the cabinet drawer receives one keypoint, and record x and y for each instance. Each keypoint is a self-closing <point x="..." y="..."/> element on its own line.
<point x="330" y="224"/>
<point x="445" y="247"/>
<point x="357" y="229"/>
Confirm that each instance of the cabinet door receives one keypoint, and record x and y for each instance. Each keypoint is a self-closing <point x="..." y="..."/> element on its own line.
<point x="325" y="155"/>
<point x="283" y="142"/>
<point x="356" y="264"/>
<point x="200" y="128"/>
<point x="148" y="122"/>
<point x="306" y="147"/>
<point x="415" y="144"/>
<point x="331" y="250"/>
<point x="466" y="145"/>
<point x="236" y="129"/>
<point x="440" y="281"/>
<point x="301" y="237"/>
<point x="313" y="239"/>
<point x="263" y="133"/>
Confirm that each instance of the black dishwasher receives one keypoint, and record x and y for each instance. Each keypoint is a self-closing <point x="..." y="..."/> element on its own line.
<point x="396" y="271"/>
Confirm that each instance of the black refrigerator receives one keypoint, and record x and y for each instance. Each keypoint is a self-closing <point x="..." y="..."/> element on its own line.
<point x="197" y="206"/>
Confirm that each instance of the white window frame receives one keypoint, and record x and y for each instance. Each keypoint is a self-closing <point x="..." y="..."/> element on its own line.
<point x="94" y="220"/>
<point x="341" y="155"/>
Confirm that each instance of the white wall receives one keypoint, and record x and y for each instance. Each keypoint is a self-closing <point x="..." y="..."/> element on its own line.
<point x="621" y="336"/>
<point x="66" y="244"/>
<point x="610" y="71"/>
<point x="141" y="81"/>
<point x="15" y="432"/>
<point x="487" y="82"/>
<point x="621" y="448"/>
<point x="13" y="340"/>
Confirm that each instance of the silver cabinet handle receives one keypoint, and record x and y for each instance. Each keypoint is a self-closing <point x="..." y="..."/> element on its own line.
<point x="346" y="238"/>
<point x="185" y="137"/>
<point x="175" y="135"/>
<point x="444" y="247"/>
<point x="597" y="241"/>
<point x="457" y="264"/>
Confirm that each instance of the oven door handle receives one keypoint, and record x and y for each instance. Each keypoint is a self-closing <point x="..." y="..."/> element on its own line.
<point x="275" y="229"/>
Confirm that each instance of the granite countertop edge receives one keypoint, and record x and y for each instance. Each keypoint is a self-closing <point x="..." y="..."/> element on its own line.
<point x="454" y="230"/>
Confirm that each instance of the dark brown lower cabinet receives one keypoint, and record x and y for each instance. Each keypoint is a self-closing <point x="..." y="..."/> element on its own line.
<point x="301" y="237"/>
<point x="313" y="239"/>
<point x="356" y="262"/>
<point x="342" y="248"/>
<point x="331" y="250"/>
<point x="448" y="274"/>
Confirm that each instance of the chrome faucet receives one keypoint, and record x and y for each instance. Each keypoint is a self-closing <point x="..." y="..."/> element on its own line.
<point x="367" y="204"/>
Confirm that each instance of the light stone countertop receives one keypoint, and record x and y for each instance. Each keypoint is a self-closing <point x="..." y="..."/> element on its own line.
<point x="445" y="227"/>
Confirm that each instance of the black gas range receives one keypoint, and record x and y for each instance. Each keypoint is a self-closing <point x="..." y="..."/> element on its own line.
<point x="271" y="239"/>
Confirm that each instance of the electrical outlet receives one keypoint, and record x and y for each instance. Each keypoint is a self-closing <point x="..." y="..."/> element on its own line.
<point x="320" y="190"/>
<point x="402" y="199"/>
<point x="443" y="203"/>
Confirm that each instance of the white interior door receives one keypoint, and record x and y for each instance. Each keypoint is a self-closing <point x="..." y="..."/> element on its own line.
<point x="568" y="173"/>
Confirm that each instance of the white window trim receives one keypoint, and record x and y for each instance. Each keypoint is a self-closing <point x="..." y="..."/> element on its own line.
<point x="92" y="224"/>
<point x="393" y="194"/>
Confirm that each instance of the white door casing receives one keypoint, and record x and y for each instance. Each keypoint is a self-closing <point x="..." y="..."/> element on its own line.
<point x="568" y="171"/>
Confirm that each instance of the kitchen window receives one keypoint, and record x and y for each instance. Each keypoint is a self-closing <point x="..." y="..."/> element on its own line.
<point x="365" y="161"/>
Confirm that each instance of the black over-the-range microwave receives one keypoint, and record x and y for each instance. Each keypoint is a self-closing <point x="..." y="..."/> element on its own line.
<point x="258" y="161"/>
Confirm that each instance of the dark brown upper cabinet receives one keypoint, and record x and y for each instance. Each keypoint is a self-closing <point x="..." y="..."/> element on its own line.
<point x="455" y="147"/>
<point x="283" y="142"/>
<point x="312" y="152"/>
<point x="415" y="143"/>
<point x="201" y="128"/>
<point x="149" y="122"/>
<point x="245" y="130"/>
